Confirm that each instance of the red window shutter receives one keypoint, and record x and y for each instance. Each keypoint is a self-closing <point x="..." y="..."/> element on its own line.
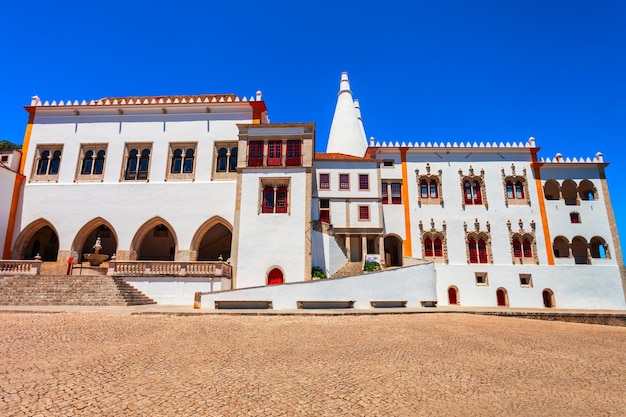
<point x="517" y="248"/>
<point x="364" y="182"/>
<point x="428" y="247"/>
<point x="294" y="154"/>
<point x="268" y="200"/>
<point x="325" y="215"/>
<point x="281" y="200"/>
<point x="528" y="252"/>
<point x="364" y="213"/>
<point x="438" y="247"/>
<point x="255" y="153"/>
<point x="396" y="193"/>
<point x="482" y="251"/>
<point x="274" y="154"/>
<point x="467" y="190"/>
<point x="478" y="198"/>
<point x="473" y="253"/>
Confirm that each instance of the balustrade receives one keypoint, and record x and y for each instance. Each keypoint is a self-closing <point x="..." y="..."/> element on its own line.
<point x="20" y="267"/>
<point x="165" y="268"/>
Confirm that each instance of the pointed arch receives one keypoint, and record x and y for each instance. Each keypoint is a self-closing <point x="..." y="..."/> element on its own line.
<point x="25" y="241"/>
<point x="143" y="232"/>
<point x="82" y="237"/>
<point x="199" y="236"/>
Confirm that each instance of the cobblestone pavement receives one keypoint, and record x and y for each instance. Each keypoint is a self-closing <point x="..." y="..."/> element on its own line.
<point x="86" y="364"/>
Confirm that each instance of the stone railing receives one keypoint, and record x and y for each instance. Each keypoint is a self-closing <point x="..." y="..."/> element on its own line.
<point x="21" y="267"/>
<point x="166" y="268"/>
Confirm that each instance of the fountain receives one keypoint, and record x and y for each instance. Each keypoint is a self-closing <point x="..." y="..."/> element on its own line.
<point x="96" y="258"/>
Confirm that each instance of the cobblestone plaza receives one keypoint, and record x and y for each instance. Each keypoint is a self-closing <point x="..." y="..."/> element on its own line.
<point x="377" y="365"/>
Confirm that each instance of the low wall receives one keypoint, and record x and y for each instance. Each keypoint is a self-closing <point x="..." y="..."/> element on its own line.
<point x="413" y="284"/>
<point x="176" y="290"/>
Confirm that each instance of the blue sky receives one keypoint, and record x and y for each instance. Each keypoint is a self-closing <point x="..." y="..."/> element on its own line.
<point x="422" y="70"/>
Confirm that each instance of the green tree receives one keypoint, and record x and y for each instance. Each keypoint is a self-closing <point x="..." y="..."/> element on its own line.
<point x="5" y="145"/>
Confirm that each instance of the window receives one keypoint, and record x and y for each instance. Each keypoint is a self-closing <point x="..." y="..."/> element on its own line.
<point x="364" y="182"/>
<point x="137" y="163"/>
<point x="325" y="210"/>
<point x="324" y="181"/>
<point x="364" y="213"/>
<point x="344" y="181"/>
<point x="574" y="217"/>
<point x="275" y="196"/>
<point x="388" y="163"/>
<point x="514" y="190"/>
<point x="478" y="251"/>
<point x="294" y="153"/>
<point x="394" y="189"/>
<point x="481" y="278"/>
<point x="91" y="162"/>
<point x="225" y="160"/>
<point x="274" y="153"/>
<point x="526" y="280"/>
<point x="472" y="192"/>
<point x="182" y="161"/>
<point x="255" y="153"/>
<point x="433" y="247"/>
<point x="522" y="247"/>
<point x="47" y="163"/>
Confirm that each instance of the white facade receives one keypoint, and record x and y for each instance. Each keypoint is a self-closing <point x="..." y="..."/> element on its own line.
<point x="212" y="179"/>
<point x="10" y="184"/>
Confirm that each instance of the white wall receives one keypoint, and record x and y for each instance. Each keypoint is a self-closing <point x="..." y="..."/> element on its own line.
<point x="7" y="184"/>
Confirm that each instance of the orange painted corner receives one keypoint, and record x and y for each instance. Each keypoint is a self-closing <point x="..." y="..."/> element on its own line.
<point x="408" y="245"/>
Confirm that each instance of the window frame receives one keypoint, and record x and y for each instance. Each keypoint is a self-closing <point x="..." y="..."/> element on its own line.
<point x="360" y="212"/>
<point x="184" y="148"/>
<point x="292" y="160"/>
<point x="95" y="149"/>
<point x="50" y="150"/>
<point x="230" y="156"/>
<point x="341" y="188"/>
<point x="141" y="147"/>
<point x="321" y="183"/>
<point x="365" y="177"/>
<point x="256" y="160"/>
<point x="274" y="186"/>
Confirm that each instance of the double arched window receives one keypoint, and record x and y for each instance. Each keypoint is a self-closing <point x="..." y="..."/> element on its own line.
<point x="137" y="162"/>
<point x="182" y="160"/>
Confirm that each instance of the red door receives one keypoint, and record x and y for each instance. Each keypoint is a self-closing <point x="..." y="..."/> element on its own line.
<point x="452" y="296"/>
<point x="275" y="277"/>
<point x="501" y="296"/>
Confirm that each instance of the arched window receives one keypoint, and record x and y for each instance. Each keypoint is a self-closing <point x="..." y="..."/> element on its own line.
<point x="528" y="252"/>
<point x="55" y="162"/>
<point x="131" y="165"/>
<point x="434" y="189"/>
<point x="423" y="189"/>
<point x="232" y="166"/>
<point x="517" y="248"/>
<point x="519" y="190"/>
<point x="222" y="160"/>
<point x="569" y="190"/>
<point x="87" y="163"/>
<point x="188" y="164"/>
<point x="586" y="190"/>
<point x="473" y="251"/>
<point x="42" y="166"/>
<point x="598" y="248"/>
<point x="579" y="250"/>
<point x="177" y="161"/>
<point x="144" y="161"/>
<point x="98" y="168"/>
<point x="137" y="162"/>
<point x="472" y="193"/>
<point x="428" y="247"/>
<point x="438" y="247"/>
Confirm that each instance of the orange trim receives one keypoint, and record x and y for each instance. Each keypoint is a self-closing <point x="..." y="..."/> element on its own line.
<point x="15" y="199"/>
<point x="408" y="246"/>
<point x="258" y="108"/>
<point x="542" y="208"/>
<point x="29" y="129"/>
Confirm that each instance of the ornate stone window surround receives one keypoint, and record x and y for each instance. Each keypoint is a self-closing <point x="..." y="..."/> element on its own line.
<point x="514" y="178"/>
<point x="428" y="178"/>
<point x="278" y="185"/>
<point x="522" y="235"/>
<point x="225" y="163"/>
<point x="434" y="234"/>
<point x="183" y="154"/>
<point x="473" y="179"/>
<point x="137" y="161"/>
<point x="47" y="163"/>
<point x="91" y="162"/>
<point x="477" y="235"/>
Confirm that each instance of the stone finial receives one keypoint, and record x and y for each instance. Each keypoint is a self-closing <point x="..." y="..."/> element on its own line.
<point x="533" y="225"/>
<point x="558" y="157"/>
<point x="372" y="141"/>
<point x="508" y="224"/>
<point x="35" y="101"/>
<point x="531" y="142"/>
<point x="599" y="157"/>
<point x="259" y="95"/>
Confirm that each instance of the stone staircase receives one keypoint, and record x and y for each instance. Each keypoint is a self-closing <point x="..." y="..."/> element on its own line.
<point x="350" y="269"/>
<point x="87" y="290"/>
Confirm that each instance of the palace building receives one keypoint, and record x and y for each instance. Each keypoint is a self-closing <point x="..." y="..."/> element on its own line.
<point x="176" y="186"/>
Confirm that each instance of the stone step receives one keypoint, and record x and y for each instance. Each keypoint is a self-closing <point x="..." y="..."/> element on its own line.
<point x="69" y="290"/>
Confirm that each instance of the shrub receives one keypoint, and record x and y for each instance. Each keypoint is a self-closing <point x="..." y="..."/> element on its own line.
<point x="371" y="266"/>
<point x="317" y="272"/>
